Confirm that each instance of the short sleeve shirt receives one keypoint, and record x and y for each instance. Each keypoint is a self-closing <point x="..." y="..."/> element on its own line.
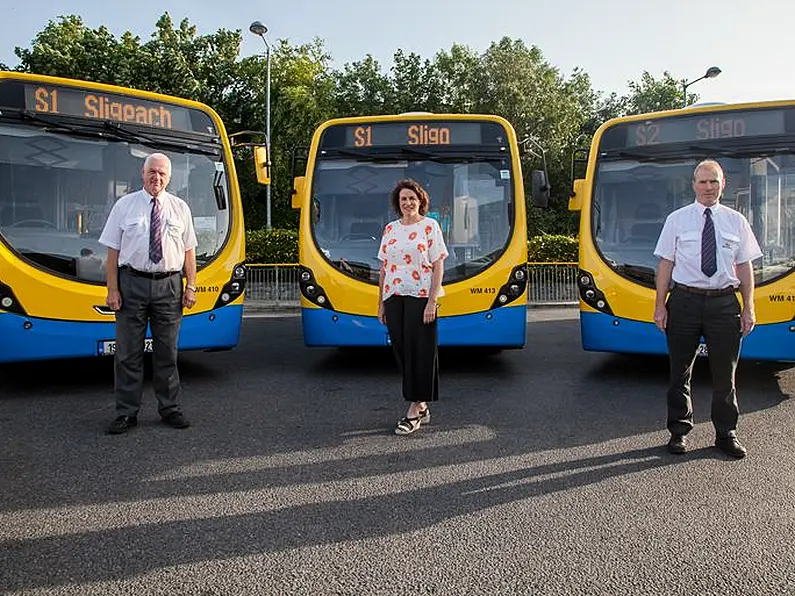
<point x="408" y="254"/>
<point x="127" y="230"/>
<point x="680" y="242"/>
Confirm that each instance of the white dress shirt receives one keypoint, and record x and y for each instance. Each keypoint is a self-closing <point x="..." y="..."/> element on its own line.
<point x="680" y="242"/>
<point x="127" y="230"/>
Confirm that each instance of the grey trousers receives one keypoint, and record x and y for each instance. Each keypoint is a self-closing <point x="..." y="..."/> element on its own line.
<point x="157" y="303"/>
<point x="717" y="318"/>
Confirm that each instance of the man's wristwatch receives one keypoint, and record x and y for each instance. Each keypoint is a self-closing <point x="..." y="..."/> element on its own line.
<point x="191" y="288"/>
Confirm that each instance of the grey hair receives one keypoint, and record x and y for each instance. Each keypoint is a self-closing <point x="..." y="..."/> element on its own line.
<point x="159" y="156"/>
<point x="708" y="162"/>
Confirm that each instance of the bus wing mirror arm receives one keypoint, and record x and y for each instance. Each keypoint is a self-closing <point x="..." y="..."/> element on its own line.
<point x="540" y="189"/>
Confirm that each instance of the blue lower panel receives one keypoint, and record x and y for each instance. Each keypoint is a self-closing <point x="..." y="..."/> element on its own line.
<point x="46" y="339"/>
<point x="606" y="333"/>
<point x="503" y="327"/>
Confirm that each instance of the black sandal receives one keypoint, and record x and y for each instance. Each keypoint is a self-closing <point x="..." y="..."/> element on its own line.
<point x="407" y="425"/>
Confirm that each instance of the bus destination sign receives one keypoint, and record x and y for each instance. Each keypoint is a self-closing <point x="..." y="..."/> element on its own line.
<point x="424" y="133"/>
<point x="87" y="103"/>
<point x="706" y="127"/>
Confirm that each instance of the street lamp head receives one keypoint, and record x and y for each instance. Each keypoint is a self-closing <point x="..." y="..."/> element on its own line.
<point x="712" y="72"/>
<point x="257" y="28"/>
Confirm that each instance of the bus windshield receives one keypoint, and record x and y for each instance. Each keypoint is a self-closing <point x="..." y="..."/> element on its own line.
<point x="57" y="189"/>
<point x="472" y="199"/>
<point x="632" y="198"/>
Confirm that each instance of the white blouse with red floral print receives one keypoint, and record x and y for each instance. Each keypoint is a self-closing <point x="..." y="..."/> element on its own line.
<point x="408" y="253"/>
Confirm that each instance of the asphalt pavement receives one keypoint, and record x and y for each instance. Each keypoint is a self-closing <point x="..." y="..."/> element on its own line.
<point x="542" y="471"/>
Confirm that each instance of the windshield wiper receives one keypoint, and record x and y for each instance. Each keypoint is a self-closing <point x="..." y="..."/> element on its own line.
<point x="112" y="131"/>
<point x="124" y="133"/>
<point x="639" y="272"/>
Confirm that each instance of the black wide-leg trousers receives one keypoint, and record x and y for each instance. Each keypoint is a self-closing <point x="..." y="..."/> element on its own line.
<point x="415" y="346"/>
<point x="717" y="319"/>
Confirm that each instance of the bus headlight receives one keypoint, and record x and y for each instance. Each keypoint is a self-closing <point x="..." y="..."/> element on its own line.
<point x="513" y="288"/>
<point x="590" y="294"/>
<point x="9" y="301"/>
<point x="233" y="288"/>
<point x="311" y="290"/>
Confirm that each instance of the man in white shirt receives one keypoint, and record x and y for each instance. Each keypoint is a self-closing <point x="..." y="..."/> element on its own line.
<point x="706" y="249"/>
<point x="151" y="242"/>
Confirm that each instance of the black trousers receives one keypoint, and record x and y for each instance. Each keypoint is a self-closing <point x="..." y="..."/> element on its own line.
<point x="415" y="346"/>
<point x="717" y="319"/>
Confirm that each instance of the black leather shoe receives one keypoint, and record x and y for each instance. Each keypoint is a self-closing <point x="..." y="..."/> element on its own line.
<point x="175" y="419"/>
<point x="730" y="445"/>
<point x="677" y="444"/>
<point x="122" y="424"/>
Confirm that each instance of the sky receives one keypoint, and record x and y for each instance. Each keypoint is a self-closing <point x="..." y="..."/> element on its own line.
<point x="614" y="41"/>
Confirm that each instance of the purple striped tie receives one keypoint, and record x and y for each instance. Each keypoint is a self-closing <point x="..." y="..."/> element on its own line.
<point x="709" y="257"/>
<point x="155" y="234"/>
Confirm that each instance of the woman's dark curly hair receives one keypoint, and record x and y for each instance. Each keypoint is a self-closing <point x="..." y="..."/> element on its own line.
<point x="416" y="188"/>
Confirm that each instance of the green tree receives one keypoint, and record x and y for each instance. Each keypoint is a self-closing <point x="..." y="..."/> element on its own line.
<point x="652" y="95"/>
<point x="457" y="72"/>
<point x="302" y="93"/>
<point x="516" y="82"/>
<point x="362" y="88"/>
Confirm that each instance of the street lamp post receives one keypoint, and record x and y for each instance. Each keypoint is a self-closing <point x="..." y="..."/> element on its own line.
<point x="257" y="28"/>
<point x="712" y="72"/>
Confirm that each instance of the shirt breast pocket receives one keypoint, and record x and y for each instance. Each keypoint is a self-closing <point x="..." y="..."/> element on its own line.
<point x="175" y="229"/>
<point x="689" y="244"/>
<point x="135" y="228"/>
<point x="729" y="245"/>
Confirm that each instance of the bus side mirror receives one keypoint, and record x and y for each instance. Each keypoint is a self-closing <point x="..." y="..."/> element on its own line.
<point x="539" y="188"/>
<point x="298" y="191"/>
<point x="577" y="194"/>
<point x="262" y="165"/>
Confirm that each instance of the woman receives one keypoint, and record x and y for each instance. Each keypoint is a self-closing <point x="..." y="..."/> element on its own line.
<point x="412" y="257"/>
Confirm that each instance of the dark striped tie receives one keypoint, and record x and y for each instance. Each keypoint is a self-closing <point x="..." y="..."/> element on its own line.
<point x="155" y="234"/>
<point x="709" y="260"/>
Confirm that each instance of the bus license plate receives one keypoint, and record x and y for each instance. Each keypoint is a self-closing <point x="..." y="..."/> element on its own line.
<point x="702" y="351"/>
<point x="108" y="348"/>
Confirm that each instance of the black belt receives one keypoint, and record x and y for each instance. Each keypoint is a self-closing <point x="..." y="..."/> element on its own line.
<point x="148" y="274"/>
<point x="704" y="291"/>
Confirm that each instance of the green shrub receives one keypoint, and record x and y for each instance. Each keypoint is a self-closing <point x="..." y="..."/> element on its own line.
<point x="276" y="246"/>
<point x="548" y="248"/>
<point x="281" y="246"/>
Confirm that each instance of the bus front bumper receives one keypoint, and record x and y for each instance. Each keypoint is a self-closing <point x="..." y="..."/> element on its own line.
<point x="500" y="328"/>
<point x="31" y="338"/>
<point x="606" y="333"/>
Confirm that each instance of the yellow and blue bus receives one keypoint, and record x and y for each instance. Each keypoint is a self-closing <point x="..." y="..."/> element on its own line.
<point x="470" y="166"/>
<point x="68" y="150"/>
<point x="639" y="169"/>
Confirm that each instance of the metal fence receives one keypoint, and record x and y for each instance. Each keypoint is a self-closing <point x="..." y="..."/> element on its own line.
<point x="276" y="285"/>
<point x="552" y="283"/>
